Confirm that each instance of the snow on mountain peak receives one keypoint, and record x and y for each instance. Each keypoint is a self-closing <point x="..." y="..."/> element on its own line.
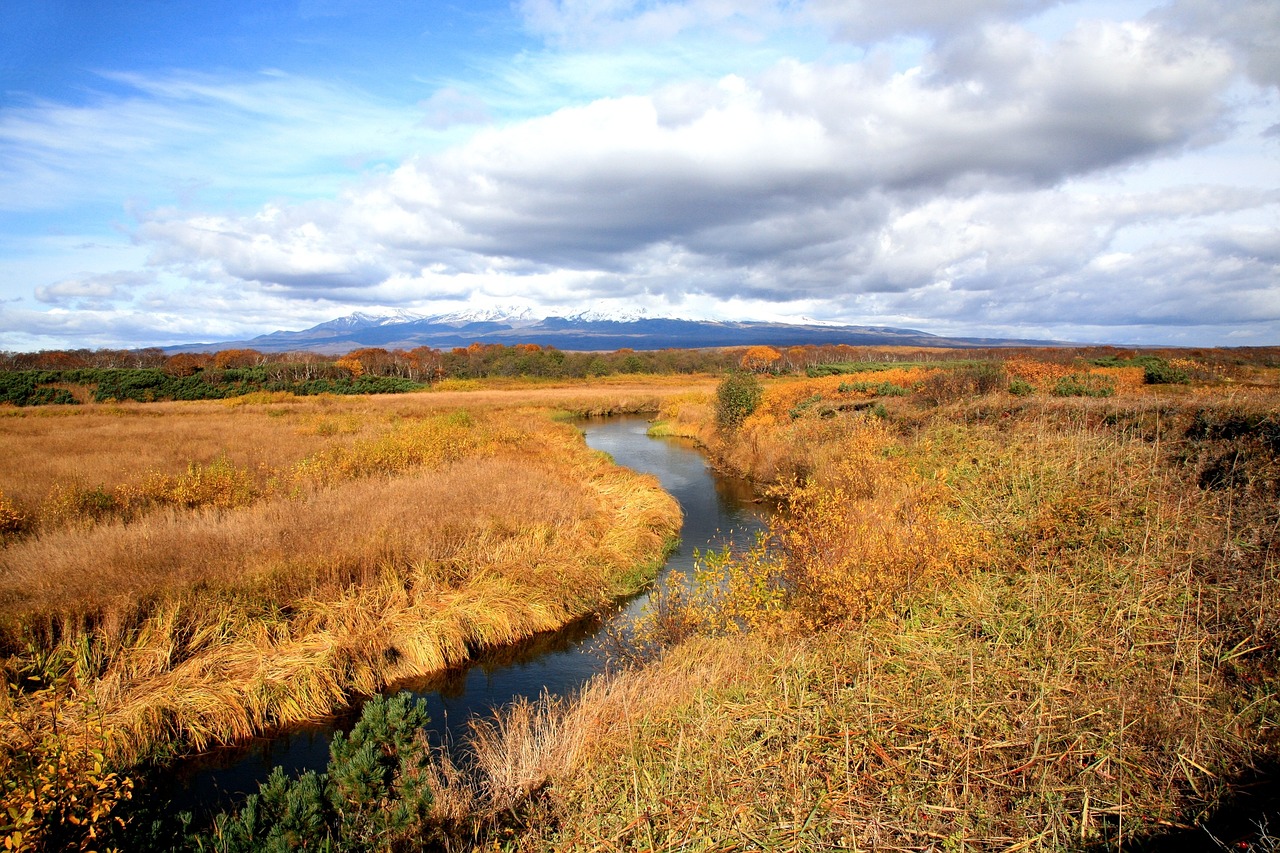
<point x="592" y="315"/>
<point x="512" y="316"/>
<point x="362" y="320"/>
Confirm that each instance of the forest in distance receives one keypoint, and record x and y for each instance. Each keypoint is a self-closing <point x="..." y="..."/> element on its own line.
<point x="149" y="375"/>
<point x="1014" y="598"/>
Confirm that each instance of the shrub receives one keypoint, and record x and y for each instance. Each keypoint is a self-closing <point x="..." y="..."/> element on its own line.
<point x="737" y="397"/>
<point x="377" y="774"/>
<point x="1019" y="387"/>
<point x="57" y="791"/>
<point x="1155" y="370"/>
<point x="373" y="796"/>
<point x="52" y="396"/>
<point x="1084" y="385"/>
<point x="968" y="380"/>
<point x="1160" y="372"/>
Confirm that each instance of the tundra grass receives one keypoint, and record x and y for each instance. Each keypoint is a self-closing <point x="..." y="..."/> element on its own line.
<point x="411" y="535"/>
<point x="1099" y="665"/>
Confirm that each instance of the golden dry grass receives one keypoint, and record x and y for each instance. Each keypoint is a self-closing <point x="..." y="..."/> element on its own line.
<point x="394" y="543"/>
<point x="1101" y="669"/>
<point x="47" y="452"/>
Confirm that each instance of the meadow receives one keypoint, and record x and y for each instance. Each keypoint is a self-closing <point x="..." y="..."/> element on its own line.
<point x="988" y="618"/>
<point x="1014" y="601"/>
<point x="178" y="575"/>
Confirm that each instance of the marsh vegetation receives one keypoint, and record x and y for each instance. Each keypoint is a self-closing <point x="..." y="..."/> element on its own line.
<point x="1018" y="602"/>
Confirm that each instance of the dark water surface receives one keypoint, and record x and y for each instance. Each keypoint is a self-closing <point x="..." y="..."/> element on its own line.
<point x="717" y="511"/>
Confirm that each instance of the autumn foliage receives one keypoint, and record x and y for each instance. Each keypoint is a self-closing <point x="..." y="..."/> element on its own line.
<point x="863" y="534"/>
<point x="760" y="359"/>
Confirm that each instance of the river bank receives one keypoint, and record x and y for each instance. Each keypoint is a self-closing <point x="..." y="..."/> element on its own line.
<point x="716" y="511"/>
<point x="248" y="597"/>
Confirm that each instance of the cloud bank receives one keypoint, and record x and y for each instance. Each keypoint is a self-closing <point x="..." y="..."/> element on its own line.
<point x="975" y="168"/>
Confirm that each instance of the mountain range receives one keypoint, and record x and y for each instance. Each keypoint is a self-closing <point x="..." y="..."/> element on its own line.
<point x="587" y="331"/>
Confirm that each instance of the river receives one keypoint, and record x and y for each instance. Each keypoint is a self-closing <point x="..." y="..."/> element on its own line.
<point x="717" y="510"/>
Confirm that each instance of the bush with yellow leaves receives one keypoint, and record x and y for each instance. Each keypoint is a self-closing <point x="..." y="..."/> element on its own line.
<point x="851" y="543"/>
<point x="57" y="791"/>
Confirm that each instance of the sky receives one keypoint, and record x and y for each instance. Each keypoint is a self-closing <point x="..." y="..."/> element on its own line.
<point x="1103" y="171"/>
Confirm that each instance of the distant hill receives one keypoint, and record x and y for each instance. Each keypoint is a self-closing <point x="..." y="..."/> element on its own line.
<point x="581" y="332"/>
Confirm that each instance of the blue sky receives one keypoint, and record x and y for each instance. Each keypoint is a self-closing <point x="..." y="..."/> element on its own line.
<point x="1092" y="171"/>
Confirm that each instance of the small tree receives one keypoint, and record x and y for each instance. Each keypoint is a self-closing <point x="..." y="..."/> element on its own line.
<point x="737" y="397"/>
<point x="761" y="359"/>
<point x="374" y="796"/>
<point x="353" y="366"/>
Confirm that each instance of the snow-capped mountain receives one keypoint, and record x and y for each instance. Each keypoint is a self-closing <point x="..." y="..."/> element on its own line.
<point x="588" y="330"/>
<point x="593" y="315"/>
<point x="513" y="316"/>
<point x="361" y="320"/>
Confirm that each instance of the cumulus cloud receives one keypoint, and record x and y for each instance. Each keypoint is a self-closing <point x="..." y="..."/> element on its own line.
<point x="1250" y="27"/>
<point x="92" y="290"/>
<point x="799" y="183"/>
<point x="276" y="246"/>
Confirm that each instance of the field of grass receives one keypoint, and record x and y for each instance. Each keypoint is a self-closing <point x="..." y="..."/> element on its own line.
<point x="1009" y="604"/>
<point x="1001" y="622"/>
<point x="180" y="575"/>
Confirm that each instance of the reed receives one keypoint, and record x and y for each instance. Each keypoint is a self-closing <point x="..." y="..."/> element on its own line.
<point x="401" y="549"/>
<point x="1098" y="665"/>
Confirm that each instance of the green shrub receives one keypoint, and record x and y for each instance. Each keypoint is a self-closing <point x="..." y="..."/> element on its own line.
<point x="1160" y="372"/>
<point x="1155" y="370"/>
<point x="1020" y="387"/>
<point x="1084" y="385"/>
<point x="374" y="794"/>
<point x="28" y="388"/>
<point x="737" y="397"/>
<point x="53" y="396"/>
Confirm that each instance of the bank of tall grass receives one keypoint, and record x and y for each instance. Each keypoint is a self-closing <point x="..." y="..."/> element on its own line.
<point x="327" y="550"/>
<point x="1004" y="622"/>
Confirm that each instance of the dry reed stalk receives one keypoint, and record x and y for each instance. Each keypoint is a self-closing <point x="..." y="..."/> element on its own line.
<point x="1082" y="676"/>
<point x="293" y="605"/>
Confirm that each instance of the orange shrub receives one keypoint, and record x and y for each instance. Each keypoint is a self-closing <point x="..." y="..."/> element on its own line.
<point x="866" y="534"/>
<point x="1125" y="378"/>
<point x="1042" y="374"/>
<point x="760" y="359"/>
<point x="781" y="399"/>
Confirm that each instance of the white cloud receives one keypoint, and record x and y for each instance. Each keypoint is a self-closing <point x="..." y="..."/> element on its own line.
<point x="790" y="173"/>
<point x="92" y="289"/>
<point x="983" y="167"/>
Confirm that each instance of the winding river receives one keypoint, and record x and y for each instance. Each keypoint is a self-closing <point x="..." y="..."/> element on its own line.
<point x="717" y="511"/>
